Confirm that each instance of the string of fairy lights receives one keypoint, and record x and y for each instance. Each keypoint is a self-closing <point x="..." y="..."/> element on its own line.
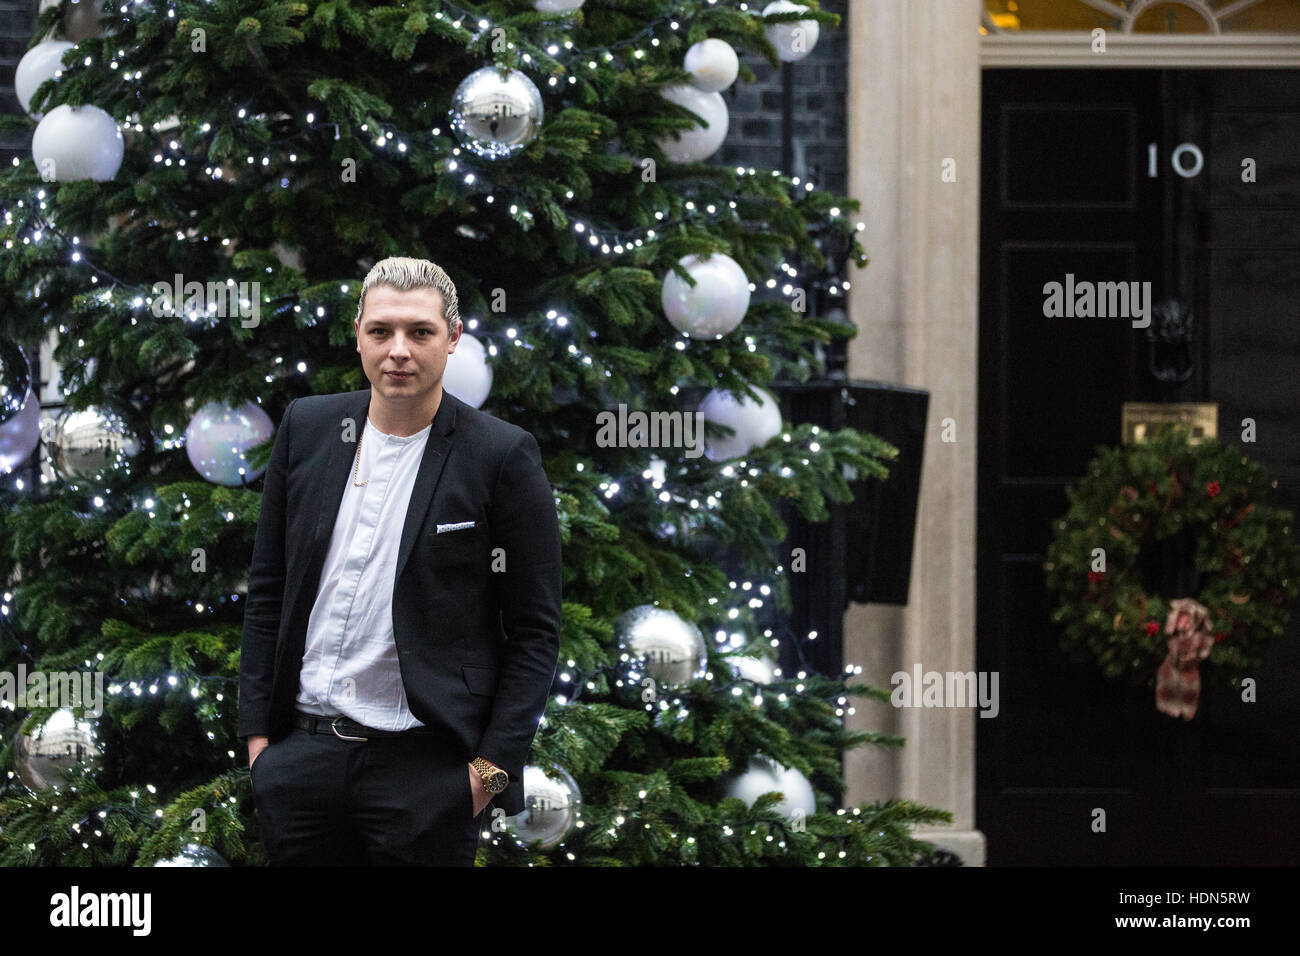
<point x="592" y="59"/>
<point x="609" y="241"/>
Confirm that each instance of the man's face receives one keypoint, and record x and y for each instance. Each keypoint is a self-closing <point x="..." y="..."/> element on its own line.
<point x="403" y="332"/>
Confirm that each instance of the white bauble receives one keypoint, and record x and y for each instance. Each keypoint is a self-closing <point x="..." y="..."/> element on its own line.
<point x="765" y="775"/>
<point x="760" y="670"/>
<point x="793" y="40"/>
<point x="556" y="6"/>
<point x="81" y="22"/>
<point x="81" y="142"/>
<point x="717" y="302"/>
<point x="713" y="65"/>
<point x="468" y="375"/>
<point x="292" y="258"/>
<point x="755" y="424"/>
<point x="218" y="438"/>
<point x="657" y="468"/>
<point x="38" y="64"/>
<point x="694" y="145"/>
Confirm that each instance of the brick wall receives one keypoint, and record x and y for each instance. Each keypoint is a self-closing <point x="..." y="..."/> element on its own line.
<point x="819" y="90"/>
<point x="17" y="21"/>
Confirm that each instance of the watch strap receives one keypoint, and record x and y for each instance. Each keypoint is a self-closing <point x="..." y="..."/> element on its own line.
<point x="491" y="773"/>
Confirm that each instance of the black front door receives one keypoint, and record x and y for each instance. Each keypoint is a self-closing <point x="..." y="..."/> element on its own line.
<point x="1106" y="176"/>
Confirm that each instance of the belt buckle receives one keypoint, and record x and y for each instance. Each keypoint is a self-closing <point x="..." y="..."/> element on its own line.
<point x="342" y="736"/>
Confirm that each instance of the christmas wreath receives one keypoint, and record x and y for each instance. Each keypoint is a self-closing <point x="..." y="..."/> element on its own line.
<point x="1241" y="560"/>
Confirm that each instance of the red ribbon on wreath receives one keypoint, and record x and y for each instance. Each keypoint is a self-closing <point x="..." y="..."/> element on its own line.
<point x="1178" y="682"/>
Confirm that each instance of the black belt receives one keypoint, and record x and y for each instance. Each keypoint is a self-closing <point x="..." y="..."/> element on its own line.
<point x="347" y="728"/>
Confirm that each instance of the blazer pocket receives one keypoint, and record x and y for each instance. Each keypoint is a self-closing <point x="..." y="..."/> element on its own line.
<point x="462" y="538"/>
<point x="480" y="679"/>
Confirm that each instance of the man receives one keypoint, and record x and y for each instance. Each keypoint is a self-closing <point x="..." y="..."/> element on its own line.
<point x="402" y="627"/>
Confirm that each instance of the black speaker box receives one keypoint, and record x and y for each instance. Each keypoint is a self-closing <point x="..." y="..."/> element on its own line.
<point x="864" y="552"/>
<point x="881" y="523"/>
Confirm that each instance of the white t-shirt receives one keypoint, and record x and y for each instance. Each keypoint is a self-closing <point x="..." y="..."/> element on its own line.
<point x="349" y="664"/>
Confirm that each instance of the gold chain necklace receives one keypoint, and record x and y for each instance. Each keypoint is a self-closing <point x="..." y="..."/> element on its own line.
<point x="359" y="484"/>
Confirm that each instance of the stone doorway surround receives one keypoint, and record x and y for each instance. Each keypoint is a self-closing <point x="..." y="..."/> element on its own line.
<point x="914" y="103"/>
<point x="914" y="74"/>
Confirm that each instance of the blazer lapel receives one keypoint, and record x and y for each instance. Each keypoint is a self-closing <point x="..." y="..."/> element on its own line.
<point x="426" y="478"/>
<point x="338" y="471"/>
<point x="342" y="457"/>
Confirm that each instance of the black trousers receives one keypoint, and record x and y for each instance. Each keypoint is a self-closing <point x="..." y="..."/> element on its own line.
<point x="386" y="801"/>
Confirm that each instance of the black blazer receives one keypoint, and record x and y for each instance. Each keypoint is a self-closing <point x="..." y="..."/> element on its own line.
<point x="476" y="611"/>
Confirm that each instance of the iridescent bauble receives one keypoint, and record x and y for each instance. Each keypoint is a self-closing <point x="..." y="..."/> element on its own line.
<point x="20" y="435"/>
<point x="64" y="742"/>
<point x="92" y="443"/>
<point x="669" y="649"/>
<point x="495" y="118"/>
<point x="218" y="439"/>
<point x="552" y="805"/>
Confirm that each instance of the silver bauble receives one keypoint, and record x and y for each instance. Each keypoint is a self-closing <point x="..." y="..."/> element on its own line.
<point x="495" y="118"/>
<point x="552" y="805"/>
<point x="15" y="378"/>
<point x="670" y="649"/>
<point x="195" y="855"/>
<point x="63" y="742"/>
<point x="91" y="442"/>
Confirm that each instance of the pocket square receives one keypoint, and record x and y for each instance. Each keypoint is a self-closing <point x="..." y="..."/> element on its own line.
<point x="455" y="527"/>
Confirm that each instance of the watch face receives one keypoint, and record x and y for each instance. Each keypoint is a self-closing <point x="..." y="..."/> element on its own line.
<point x="498" y="782"/>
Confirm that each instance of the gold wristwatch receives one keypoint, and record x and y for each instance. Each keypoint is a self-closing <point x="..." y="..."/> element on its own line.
<point x="494" y="778"/>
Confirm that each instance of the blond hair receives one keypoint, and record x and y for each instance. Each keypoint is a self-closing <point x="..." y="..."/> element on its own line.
<point x="403" y="274"/>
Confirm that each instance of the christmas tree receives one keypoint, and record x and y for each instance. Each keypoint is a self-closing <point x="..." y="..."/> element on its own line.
<point x="209" y="183"/>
